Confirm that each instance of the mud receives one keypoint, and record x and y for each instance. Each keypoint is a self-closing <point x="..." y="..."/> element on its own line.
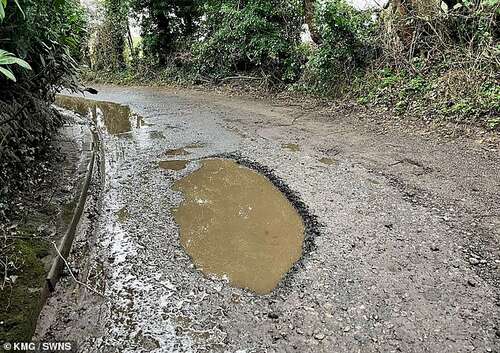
<point x="176" y="152"/>
<point x="175" y="165"/>
<point x="291" y="147"/>
<point x="234" y="223"/>
<point x="328" y="161"/>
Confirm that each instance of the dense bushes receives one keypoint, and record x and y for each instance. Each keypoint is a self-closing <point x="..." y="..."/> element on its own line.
<point x="44" y="34"/>
<point x="415" y="57"/>
<point x="260" y="36"/>
<point x="109" y="39"/>
<point x="165" y="25"/>
<point x="344" y="47"/>
<point x="438" y="63"/>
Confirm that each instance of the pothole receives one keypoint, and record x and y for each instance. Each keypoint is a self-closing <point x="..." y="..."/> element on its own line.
<point x="235" y="223"/>
<point x="117" y="119"/>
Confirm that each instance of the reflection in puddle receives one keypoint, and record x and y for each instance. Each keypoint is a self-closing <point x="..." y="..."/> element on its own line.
<point x="235" y="223"/>
<point x="115" y="117"/>
<point x="173" y="165"/>
<point x="291" y="147"/>
<point x="328" y="161"/>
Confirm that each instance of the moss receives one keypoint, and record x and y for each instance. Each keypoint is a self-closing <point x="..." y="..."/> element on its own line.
<point x="21" y="303"/>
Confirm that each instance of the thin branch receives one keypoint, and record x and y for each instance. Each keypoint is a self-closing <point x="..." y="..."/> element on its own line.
<point x="74" y="278"/>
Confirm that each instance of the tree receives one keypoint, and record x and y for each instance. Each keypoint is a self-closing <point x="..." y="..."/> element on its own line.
<point x="110" y="41"/>
<point x="164" y="24"/>
<point x="310" y="12"/>
<point x="252" y="35"/>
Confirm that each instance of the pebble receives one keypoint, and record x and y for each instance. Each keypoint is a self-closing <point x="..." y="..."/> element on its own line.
<point x="347" y="329"/>
<point x="434" y="247"/>
<point x="473" y="261"/>
<point x="319" y="336"/>
<point x="471" y="282"/>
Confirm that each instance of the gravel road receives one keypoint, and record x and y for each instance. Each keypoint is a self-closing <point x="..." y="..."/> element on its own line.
<point x="402" y="236"/>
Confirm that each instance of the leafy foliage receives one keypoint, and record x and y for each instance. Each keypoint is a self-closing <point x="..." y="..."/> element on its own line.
<point x="44" y="35"/>
<point x="7" y="58"/>
<point x="41" y="37"/>
<point x="110" y="37"/>
<point x="164" y="24"/>
<point x="344" y="47"/>
<point x="255" y="35"/>
<point x="437" y="64"/>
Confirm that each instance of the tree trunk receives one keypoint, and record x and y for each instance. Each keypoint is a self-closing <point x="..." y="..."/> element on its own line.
<point x="309" y="7"/>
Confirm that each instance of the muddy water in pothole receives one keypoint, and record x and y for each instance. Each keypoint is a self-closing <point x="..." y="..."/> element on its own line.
<point x="173" y="165"/>
<point x="122" y="215"/>
<point x="328" y="161"/>
<point x="176" y="152"/>
<point x="116" y="118"/>
<point x="235" y="223"/>
<point x="182" y="151"/>
<point x="291" y="147"/>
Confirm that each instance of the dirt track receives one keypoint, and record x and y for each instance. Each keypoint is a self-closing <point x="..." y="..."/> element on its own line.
<point x="403" y="250"/>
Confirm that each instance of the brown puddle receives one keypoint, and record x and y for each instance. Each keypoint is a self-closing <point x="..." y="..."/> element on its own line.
<point x="173" y="165"/>
<point x="115" y="117"/>
<point x="122" y="215"/>
<point x="177" y="152"/>
<point x="291" y="147"/>
<point x="182" y="151"/>
<point x="328" y="161"/>
<point x="234" y="222"/>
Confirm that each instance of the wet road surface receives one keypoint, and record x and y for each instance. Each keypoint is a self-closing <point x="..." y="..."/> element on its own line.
<point x="401" y="249"/>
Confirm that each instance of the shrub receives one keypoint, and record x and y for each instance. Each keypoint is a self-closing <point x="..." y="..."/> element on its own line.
<point x="344" y="48"/>
<point x="261" y="36"/>
<point x="165" y="25"/>
<point x="43" y="34"/>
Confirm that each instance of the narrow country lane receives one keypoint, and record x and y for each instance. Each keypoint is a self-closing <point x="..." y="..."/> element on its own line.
<point x="402" y="235"/>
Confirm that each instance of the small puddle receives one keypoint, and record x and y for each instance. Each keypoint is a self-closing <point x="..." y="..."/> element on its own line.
<point x="116" y="118"/>
<point x="156" y="135"/>
<point x="196" y="145"/>
<point x="173" y="165"/>
<point x="177" y="152"/>
<point x="122" y="215"/>
<point x="291" y="147"/>
<point x="182" y="151"/>
<point x="235" y="223"/>
<point x="328" y="161"/>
